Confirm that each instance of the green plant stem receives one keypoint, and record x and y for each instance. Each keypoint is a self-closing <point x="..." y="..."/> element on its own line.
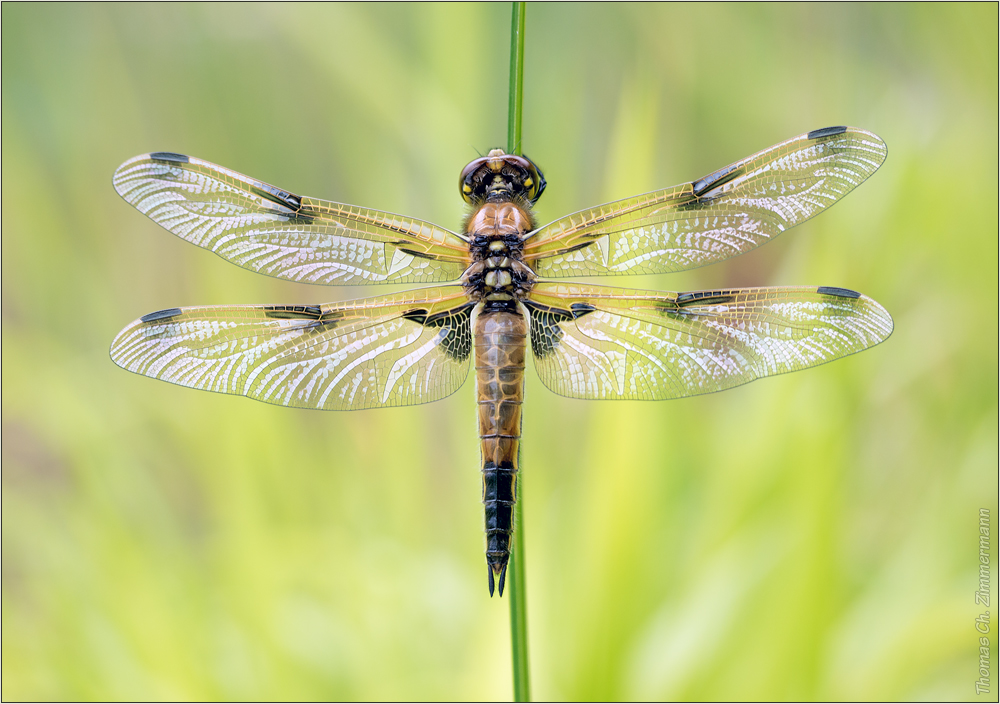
<point x="516" y="568"/>
<point x="516" y="91"/>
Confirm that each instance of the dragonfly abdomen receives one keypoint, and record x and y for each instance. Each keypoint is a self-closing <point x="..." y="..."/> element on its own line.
<point x="500" y="341"/>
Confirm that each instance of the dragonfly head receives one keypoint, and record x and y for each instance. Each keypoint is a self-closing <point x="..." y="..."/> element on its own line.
<point x="500" y="176"/>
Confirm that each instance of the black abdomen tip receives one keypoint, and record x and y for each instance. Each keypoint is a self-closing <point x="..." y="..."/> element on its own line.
<point x="826" y="132"/>
<point x="160" y="315"/>
<point x="169" y="156"/>
<point x="496" y="569"/>
<point x="841" y="292"/>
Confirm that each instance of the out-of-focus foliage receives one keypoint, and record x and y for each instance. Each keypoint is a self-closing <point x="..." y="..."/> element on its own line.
<point x="813" y="536"/>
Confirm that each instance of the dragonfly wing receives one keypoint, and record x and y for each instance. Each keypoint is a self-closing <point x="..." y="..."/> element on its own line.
<point x="266" y="229"/>
<point x="594" y="342"/>
<point x="729" y="212"/>
<point x="397" y="350"/>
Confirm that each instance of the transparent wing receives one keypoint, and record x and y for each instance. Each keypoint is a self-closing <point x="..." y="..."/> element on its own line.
<point x="274" y="232"/>
<point x="724" y="214"/>
<point x="398" y="350"/>
<point x="595" y="342"/>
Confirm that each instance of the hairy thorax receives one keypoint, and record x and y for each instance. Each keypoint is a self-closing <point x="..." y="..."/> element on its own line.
<point x="498" y="276"/>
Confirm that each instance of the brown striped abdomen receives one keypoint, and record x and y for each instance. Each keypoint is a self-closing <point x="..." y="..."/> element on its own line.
<point x="500" y="340"/>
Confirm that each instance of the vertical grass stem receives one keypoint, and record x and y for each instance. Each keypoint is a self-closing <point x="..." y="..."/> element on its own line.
<point x="516" y="576"/>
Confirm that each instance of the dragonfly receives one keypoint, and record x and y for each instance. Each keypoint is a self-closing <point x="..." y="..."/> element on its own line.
<point x="501" y="290"/>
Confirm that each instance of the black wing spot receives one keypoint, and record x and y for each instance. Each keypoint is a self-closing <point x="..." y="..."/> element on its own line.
<point x="839" y="292"/>
<point x="580" y="309"/>
<point x="276" y="195"/>
<point x="457" y="342"/>
<point x="704" y="298"/>
<point x="826" y="132"/>
<point x="161" y="315"/>
<point x="419" y="255"/>
<point x="716" y="179"/>
<point x="170" y="156"/>
<point x="293" y="312"/>
<point x="576" y="247"/>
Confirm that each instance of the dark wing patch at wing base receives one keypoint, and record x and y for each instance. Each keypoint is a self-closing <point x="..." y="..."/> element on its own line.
<point x="457" y="324"/>
<point x="543" y="324"/>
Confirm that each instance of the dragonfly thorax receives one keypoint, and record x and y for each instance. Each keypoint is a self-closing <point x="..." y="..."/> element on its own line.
<point x="496" y="242"/>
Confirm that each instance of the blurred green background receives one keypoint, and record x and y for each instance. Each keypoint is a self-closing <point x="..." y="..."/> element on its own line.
<point x="812" y="536"/>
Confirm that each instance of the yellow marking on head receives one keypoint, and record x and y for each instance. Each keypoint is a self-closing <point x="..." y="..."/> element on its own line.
<point x="528" y="183"/>
<point x="466" y="188"/>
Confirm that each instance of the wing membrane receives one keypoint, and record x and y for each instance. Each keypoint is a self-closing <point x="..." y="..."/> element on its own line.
<point x="724" y="214"/>
<point x="398" y="350"/>
<point x="274" y="232"/>
<point x="593" y="342"/>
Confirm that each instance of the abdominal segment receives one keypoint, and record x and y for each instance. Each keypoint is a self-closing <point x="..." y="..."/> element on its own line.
<point x="500" y="340"/>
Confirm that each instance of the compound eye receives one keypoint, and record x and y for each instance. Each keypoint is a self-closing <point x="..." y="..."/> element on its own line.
<point x="534" y="183"/>
<point x="465" y="182"/>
